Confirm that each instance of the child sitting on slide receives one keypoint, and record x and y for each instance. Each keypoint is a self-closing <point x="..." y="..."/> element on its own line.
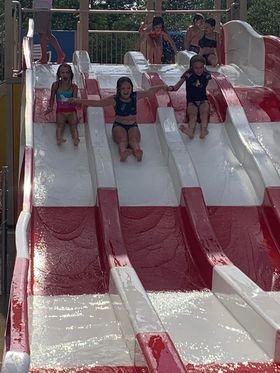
<point x="196" y="78"/>
<point x="63" y="90"/>
<point x="125" y="130"/>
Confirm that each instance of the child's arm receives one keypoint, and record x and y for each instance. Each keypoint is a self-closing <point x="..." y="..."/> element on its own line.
<point x="52" y="98"/>
<point x="187" y="39"/>
<point x="151" y="91"/>
<point x="183" y="78"/>
<point x="107" y="101"/>
<point x="169" y="39"/>
<point x="75" y="91"/>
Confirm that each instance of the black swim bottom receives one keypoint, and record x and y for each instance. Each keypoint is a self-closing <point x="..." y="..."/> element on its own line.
<point x="127" y="127"/>
<point x="194" y="48"/>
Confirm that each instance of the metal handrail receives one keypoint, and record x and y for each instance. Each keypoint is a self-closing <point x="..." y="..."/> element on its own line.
<point x="133" y="11"/>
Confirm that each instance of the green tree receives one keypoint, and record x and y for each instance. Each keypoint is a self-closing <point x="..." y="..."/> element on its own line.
<point x="264" y="16"/>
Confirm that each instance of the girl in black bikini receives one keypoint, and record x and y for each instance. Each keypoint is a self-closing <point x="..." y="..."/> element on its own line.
<point x="125" y="130"/>
<point x="196" y="78"/>
<point x="209" y="43"/>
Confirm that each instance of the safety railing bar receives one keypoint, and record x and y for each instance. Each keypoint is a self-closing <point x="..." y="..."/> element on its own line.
<point x="132" y="11"/>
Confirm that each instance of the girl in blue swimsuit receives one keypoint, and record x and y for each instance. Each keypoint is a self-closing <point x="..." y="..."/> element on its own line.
<point x="125" y="130"/>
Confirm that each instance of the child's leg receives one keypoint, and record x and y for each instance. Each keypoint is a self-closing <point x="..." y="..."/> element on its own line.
<point x="204" y="114"/>
<point x="192" y="113"/>
<point x="121" y="138"/>
<point x="44" y="48"/>
<point x="134" y="137"/>
<point x="57" y="47"/>
<point x="73" y="123"/>
<point x="60" y="124"/>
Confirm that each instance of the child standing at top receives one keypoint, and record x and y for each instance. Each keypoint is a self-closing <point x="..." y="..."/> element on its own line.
<point x="125" y="130"/>
<point x="210" y="43"/>
<point x="194" y="34"/>
<point x="154" y="35"/>
<point x="196" y="78"/>
<point x="63" y="90"/>
<point x="42" y="24"/>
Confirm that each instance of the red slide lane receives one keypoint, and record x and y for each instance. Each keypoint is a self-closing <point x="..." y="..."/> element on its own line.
<point x="64" y="252"/>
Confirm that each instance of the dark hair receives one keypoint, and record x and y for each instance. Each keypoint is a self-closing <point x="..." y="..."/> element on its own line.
<point x="122" y="80"/>
<point x="198" y="17"/>
<point x="211" y="22"/>
<point x="68" y="67"/>
<point x="196" y="58"/>
<point x="158" y="21"/>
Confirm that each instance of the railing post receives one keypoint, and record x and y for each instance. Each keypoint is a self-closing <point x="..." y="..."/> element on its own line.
<point x="217" y="5"/>
<point x="83" y="39"/>
<point x="243" y="10"/>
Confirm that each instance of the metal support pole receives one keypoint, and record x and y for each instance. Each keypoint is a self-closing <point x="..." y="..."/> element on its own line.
<point x="217" y="16"/>
<point x="229" y="5"/>
<point x="9" y="58"/>
<point x="84" y="23"/>
<point x="243" y="10"/>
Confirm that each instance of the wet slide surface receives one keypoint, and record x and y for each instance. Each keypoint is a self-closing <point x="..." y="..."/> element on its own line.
<point x="233" y="206"/>
<point x="157" y="249"/>
<point x="152" y="229"/>
<point x="69" y="298"/>
<point x="65" y="257"/>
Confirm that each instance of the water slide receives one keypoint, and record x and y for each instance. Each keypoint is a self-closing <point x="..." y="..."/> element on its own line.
<point x="168" y="265"/>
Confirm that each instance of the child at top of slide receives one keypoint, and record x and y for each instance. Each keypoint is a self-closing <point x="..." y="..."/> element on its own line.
<point x="194" y="34"/>
<point x="125" y="130"/>
<point x="42" y="24"/>
<point x="154" y="35"/>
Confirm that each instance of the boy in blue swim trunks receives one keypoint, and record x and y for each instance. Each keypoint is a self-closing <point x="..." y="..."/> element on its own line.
<point x="196" y="78"/>
<point x="125" y="130"/>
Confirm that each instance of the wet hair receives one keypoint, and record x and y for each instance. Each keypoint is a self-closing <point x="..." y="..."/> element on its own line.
<point x="197" y="58"/>
<point x="211" y="22"/>
<point x="198" y="17"/>
<point x="68" y="67"/>
<point x="123" y="79"/>
<point x="158" y="21"/>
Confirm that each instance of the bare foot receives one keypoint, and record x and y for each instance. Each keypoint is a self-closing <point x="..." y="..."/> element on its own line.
<point x="60" y="58"/>
<point x="60" y="141"/>
<point x="76" y="141"/>
<point x="42" y="61"/>
<point x="138" y="153"/>
<point x="124" y="154"/>
<point x="203" y="133"/>
<point x="187" y="131"/>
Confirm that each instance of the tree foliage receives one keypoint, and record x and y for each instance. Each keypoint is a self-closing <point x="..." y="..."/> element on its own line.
<point x="264" y="16"/>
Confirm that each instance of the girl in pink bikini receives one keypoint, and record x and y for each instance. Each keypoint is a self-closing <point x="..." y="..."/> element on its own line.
<point x="63" y="90"/>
